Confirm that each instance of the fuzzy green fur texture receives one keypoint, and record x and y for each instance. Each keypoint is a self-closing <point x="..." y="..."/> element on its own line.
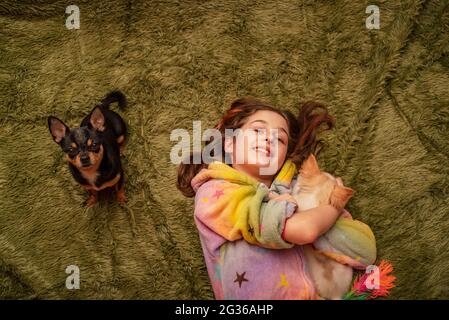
<point x="180" y="61"/>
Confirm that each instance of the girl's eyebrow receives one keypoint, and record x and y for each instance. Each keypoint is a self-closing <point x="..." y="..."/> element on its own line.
<point x="263" y="121"/>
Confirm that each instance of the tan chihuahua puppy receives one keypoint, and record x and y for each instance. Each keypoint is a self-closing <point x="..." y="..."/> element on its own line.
<point x="312" y="189"/>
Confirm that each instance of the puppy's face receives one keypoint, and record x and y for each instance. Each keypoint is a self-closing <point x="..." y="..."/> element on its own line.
<point x="83" y="146"/>
<point x="315" y="187"/>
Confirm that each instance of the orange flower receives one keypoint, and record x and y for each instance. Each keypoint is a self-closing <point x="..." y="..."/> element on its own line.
<point x="385" y="282"/>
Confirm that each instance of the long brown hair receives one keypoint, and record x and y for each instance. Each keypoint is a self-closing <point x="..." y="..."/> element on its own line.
<point x="302" y="141"/>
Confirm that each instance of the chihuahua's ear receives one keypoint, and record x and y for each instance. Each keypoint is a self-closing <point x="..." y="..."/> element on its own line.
<point x="97" y="119"/>
<point x="340" y="196"/>
<point x="58" y="129"/>
<point x="310" y="167"/>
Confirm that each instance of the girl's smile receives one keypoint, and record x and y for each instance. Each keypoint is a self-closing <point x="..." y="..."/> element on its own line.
<point x="265" y="151"/>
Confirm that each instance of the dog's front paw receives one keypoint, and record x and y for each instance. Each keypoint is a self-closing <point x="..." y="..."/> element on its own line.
<point x="121" y="196"/>
<point x="91" y="201"/>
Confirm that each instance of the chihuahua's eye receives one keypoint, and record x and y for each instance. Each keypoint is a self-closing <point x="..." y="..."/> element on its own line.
<point x="73" y="147"/>
<point x="94" y="146"/>
<point x="91" y="144"/>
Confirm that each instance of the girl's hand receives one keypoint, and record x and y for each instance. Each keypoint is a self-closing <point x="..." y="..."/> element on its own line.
<point x="280" y="197"/>
<point x="345" y="214"/>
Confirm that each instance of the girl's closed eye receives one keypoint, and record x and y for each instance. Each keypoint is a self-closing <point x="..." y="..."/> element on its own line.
<point x="259" y="130"/>
<point x="280" y="138"/>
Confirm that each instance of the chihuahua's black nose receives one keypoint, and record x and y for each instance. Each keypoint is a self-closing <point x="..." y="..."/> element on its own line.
<point x="85" y="161"/>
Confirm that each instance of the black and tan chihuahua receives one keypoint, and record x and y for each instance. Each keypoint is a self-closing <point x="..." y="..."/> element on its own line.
<point x="93" y="150"/>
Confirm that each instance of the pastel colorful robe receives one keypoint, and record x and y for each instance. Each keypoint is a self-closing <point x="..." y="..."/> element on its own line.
<point x="240" y="231"/>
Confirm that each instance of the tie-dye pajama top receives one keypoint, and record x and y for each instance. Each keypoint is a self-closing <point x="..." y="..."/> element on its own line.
<point x="240" y="231"/>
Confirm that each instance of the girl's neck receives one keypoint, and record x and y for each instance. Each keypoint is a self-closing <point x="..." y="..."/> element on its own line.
<point x="267" y="180"/>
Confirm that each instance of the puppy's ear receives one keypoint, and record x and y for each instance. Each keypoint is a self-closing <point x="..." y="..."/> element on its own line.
<point x="310" y="167"/>
<point x="97" y="119"/>
<point x="58" y="129"/>
<point x="340" y="196"/>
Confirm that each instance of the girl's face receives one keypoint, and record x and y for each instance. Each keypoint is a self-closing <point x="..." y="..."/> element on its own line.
<point x="260" y="147"/>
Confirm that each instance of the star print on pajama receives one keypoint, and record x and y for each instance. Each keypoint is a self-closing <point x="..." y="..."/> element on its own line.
<point x="240" y="278"/>
<point x="218" y="193"/>
<point x="283" y="282"/>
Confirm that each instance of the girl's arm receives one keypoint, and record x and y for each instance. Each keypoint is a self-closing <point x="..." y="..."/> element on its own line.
<point x="306" y="226"/>
<point x="233" y="212"/>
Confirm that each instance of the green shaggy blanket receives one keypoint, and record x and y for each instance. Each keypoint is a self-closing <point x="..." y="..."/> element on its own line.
<point x="179" y="61"/>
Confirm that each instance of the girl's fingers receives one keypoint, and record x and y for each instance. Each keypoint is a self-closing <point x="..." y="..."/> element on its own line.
<point x="272" y="195"/>
<point x="285" y="196"/>
<point x="345" y="214"/>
